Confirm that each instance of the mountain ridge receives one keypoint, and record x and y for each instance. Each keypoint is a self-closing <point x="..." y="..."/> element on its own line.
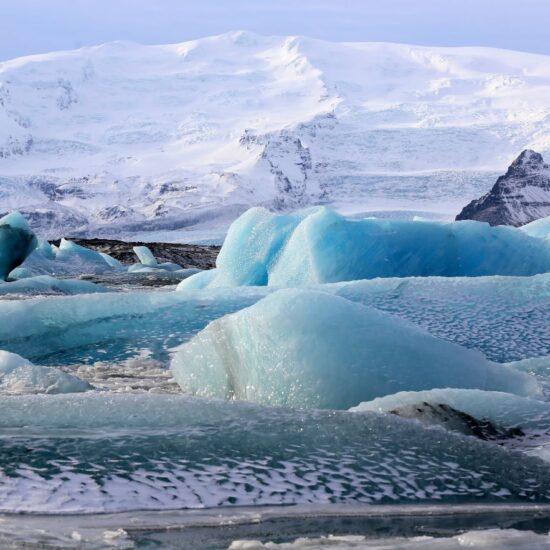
<point x="107" y="139"/>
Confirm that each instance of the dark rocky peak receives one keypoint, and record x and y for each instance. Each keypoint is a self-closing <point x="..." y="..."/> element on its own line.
<point x="520" y="196"/>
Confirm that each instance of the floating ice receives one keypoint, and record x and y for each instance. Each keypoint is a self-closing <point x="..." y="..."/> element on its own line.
<point x="148" y="263"/>
<point x="107" y="327"/>
<point x="503" y="409"/>
<point x="145" y="256"/>
<point x="538" y="228"/>
<point x="17" y="375"/>
<point x="69" y="259"/>
<point x="303" y="348"/>
<point x="164" y="452"/>
<point x="320" y="246"/>
<point x="44" y="284"/>
<point x="113" y="262"/>
<point x="17" y="242"/>
<point x="489" y="539"/>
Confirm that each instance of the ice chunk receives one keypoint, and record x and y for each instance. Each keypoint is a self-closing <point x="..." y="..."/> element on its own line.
<point x="69" y="259"/>
<point x="113" y="262"/>
<point x="17" y="242"/>
<point x="538" y="228"/>
<point x="20" y="273"/>
<point x="303" y="348"/>
<point x="17" y="375"/>
<point x="503" y="409"/>
<point x="145" y="256"/>
<point x="320" y="246"/>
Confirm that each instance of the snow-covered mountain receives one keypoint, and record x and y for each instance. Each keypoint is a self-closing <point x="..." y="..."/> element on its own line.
<point x="124" y="139"/>
<point x="520" y="196"/>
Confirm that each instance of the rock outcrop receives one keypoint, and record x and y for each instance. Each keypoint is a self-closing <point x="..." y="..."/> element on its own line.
<point x="521" y="196"/>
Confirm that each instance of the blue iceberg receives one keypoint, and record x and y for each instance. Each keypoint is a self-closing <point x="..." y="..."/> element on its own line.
<point x="302" y="348"/>
<point x="145" y="256"/>
<point x="68" y="259"/>
<point x="17" y="242"/>
<point x="320" y="246"/>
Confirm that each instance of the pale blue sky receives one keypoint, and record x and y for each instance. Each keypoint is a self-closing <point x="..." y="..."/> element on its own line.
<point x="36" y="26"/>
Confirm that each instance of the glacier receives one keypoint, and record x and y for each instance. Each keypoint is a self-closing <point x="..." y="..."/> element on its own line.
<point x="302" y="348"/>
<point x="320" y="246"/>
<point x="185" y="137"/>
<point x="17" y="241"/>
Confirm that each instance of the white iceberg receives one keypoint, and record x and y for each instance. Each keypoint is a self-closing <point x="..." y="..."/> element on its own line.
<point x="302" y="348"/>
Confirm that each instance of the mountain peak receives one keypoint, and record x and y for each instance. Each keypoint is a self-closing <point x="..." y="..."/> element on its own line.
<point x="521" y="196"/>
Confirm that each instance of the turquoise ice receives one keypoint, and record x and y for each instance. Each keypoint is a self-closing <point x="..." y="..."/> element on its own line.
<point x="17" y="241"/>
<point x="320" y="246"/>
<point x="302" y="348"/>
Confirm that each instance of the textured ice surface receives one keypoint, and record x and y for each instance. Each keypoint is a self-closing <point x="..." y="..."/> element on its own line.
<point x="309" y="349"/>
<point x="17" y="242"/>
<point x="506" y="318"/>
<point x="17" y="375"/>
<point x="44" y="284"/>
<point x="145" y="256"/>
<point x="320" y="246"/>
<point x="491" y="539"/>
<point x="112" y="327"/>
<point x="101" y="452"/>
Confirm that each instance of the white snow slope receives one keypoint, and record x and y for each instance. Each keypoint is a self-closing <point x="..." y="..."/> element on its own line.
<point x="124" y="139"/>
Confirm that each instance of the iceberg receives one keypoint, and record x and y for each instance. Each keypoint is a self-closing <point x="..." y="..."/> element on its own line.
<point x="148" y="263"/>
<point x="17" y="375"/>
<point x="174" y="451"/>
<point x="145" y="256"/>
<point x="320" y="246"/>
<point x="69" y="259"/>
<point x="17" y="242"/>
<point x="304" y="348"/>
<point x="504" y="409"/>
<point x="539" y="228"/>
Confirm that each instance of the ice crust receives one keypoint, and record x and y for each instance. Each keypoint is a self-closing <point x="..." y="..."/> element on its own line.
<point x="165" y="452"/>
<point x="17" y="375"/>
<point x="17" y="242"/>
<point x="303" y="348"/>
<point x="320" y="246"/>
